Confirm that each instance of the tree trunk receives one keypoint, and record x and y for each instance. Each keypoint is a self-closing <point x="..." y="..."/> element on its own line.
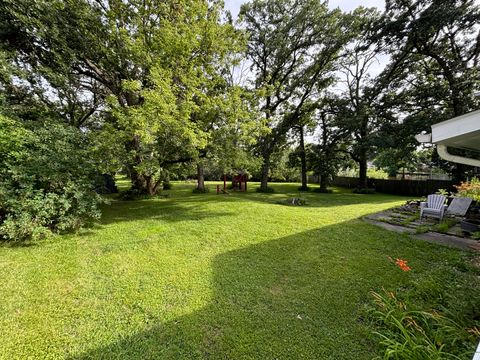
<point x="151" y="188"/>
<point x="303" y="159"/>
<point x="362" y="181"/>
<point x="265" y="171"/>
<point x="139" y="182"/>
<point x="323" y="182"/>
<point x="200" y="177"/>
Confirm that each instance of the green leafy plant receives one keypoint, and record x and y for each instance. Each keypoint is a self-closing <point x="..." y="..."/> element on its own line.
<point x="446" y="224"/>
<point x="47" y="180"/>
<point x="443" y="192"/>
<point x="413" y="334"/>
<point x="422" y="229"/>
<point x="470" y="189"/>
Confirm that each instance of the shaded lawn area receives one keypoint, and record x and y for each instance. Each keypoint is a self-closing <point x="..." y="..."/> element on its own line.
<point x="210" y="276"/>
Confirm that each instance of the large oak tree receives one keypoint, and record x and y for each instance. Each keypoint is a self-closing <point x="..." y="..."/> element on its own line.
<point x="293" y="47"/>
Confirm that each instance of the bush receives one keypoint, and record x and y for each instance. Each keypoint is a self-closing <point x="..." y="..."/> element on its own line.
<point x="364" y="191"/>
<point x="47" y="180"/>
<point x="167" y="185"/>
<point x="470" y="189"/>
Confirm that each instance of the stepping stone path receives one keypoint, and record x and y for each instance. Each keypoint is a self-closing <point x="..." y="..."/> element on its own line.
<point x="404" y="222"/>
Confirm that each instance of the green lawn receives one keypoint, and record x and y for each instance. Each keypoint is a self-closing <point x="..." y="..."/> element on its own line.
<point x="197" y="276"/>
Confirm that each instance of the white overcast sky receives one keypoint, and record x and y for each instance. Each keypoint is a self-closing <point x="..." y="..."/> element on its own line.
<point x="345" y="5"/>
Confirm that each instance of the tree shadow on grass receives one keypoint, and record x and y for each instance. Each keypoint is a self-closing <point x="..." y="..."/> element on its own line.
<point x="192" y="208"/>
<point x="299" y="296"/>
<point x="166" y="210"/>
<point x="314" y="200"/>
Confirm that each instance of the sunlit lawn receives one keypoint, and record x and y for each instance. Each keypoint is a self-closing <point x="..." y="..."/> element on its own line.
<point x="196" y="276"/>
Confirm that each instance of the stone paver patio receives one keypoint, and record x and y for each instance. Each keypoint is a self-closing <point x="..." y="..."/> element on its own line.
<point x="403" y="222"/>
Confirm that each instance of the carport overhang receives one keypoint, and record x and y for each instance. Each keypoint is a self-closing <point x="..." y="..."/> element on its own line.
<point x="462" y="132"/>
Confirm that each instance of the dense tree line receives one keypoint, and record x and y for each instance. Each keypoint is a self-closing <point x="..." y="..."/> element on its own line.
<point x="91" y="87"/>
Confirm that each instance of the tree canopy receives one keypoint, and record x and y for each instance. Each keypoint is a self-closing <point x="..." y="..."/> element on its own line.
<point x="92" y="88"/>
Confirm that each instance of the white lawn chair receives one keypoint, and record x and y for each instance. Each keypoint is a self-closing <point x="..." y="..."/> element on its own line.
<point x="434" y="206"/>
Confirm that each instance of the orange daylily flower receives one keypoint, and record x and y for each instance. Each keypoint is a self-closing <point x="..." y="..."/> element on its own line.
<point x="402" y="264"/>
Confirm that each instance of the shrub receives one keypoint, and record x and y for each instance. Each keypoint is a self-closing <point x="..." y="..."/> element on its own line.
<point x="167" y="185"/>
<point x="470" y="189"/>
<point x="47" y="180"/>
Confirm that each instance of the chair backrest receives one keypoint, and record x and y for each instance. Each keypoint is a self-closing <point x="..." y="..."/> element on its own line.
<point x="436" y="201"/>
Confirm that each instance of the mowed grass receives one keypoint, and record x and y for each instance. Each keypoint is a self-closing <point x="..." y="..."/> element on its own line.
<point x="206" y="276"/>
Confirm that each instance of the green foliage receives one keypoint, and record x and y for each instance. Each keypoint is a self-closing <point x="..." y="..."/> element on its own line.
<point x="282" y="168"/>
<point x="413" y="334"/>
<point x="470" y="189"/>
<point x="152" y="75"/>
<point x="422" y="229"/>
<point x="326" y="156"/>
<point x="47" y="180"/>
<point x="436" y="43"/>
<point x="294" y="47"/>
<point x="377" y="174"/>
<point x="443" y="192"/>
<point x="442" y="227"/>
<point x="434" y="314"/>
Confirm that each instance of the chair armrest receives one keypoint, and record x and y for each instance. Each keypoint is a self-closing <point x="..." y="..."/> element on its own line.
<point x="444" y="209"/>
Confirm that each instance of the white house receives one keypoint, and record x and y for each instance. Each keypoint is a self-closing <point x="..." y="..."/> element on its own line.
<point x="460" y="132"/>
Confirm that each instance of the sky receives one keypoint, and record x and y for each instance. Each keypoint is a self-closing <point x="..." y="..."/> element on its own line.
<point x="345" y="5"/>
